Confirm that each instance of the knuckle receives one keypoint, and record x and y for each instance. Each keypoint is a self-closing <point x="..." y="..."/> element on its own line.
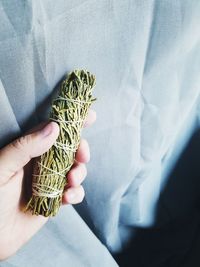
<point x="20" y="143"/>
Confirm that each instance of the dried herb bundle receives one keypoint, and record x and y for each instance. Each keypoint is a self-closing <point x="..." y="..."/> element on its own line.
<point x="69" y="110"/>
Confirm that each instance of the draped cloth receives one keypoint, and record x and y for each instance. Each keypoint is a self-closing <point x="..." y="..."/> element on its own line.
<point x="146" y="58"/>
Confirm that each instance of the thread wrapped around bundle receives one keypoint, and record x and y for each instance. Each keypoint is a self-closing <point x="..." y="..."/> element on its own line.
<point x="69" y="110"/>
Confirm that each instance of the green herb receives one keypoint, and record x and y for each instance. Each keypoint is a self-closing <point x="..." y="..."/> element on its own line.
<point x="69" y="110"/>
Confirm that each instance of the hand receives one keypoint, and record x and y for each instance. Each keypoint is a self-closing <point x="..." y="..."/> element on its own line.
<point x="17" y="227"/>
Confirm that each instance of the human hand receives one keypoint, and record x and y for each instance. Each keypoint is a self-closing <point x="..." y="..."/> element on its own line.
<point x="17" y="227"/>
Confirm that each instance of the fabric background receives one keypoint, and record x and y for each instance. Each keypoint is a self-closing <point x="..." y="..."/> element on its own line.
<point x="146" y="58"/>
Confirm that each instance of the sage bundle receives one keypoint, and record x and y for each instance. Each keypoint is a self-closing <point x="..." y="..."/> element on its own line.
<point x="69" y="110"/>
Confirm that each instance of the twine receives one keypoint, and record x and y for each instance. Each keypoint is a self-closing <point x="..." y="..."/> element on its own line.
<point x="69" y="110"/>
<point x="39" y="190"/>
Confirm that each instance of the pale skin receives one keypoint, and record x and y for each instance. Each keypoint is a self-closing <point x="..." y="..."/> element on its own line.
<point x="16" y="160"/>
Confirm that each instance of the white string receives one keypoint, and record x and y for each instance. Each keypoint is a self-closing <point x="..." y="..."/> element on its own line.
<point x="53" y="172"/>
<point x="76" y="101"/>
<point x="66" y="147"/>
<point x="38" y="190"/>
<point x="72" y="122"/>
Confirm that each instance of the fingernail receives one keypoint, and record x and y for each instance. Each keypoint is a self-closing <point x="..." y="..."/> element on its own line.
<point x="47" y="130"/>
<point x="71" y="196"/>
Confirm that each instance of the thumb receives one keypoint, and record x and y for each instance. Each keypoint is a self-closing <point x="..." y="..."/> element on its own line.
<point x="17" y="154"/>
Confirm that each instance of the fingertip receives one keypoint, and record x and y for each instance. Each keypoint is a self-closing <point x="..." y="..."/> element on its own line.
<point x="83" y="152"/>
<point x="91" y="118"/>
<point x="44" y="139"/>
<point x="73" y="195"/>
<point x="76" y="175"/>
<point x="50" y="129"/>
<point x="55" y="128"/>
